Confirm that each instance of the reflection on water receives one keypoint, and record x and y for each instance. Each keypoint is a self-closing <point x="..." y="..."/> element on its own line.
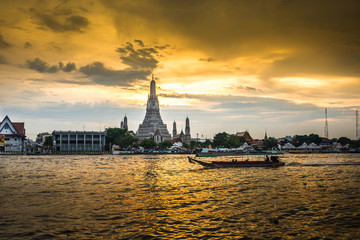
<point x="165" y="197"/>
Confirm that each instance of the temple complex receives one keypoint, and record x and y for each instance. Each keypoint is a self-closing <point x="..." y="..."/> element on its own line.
<point x="153" y="126"/>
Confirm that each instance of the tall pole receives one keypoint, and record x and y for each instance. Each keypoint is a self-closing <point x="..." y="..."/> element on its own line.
<point x="326" y="128"/>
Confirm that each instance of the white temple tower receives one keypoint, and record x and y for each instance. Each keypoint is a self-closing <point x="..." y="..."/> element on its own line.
<point x="153" y="123"/>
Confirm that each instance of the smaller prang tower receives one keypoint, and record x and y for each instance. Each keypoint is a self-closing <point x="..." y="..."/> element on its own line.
<point x="326" y="128"/>
<point x="187" y="137"/>
<point x="124" y="124"/>
<point x="266" y="136"/>
<point x="174" y="130"/>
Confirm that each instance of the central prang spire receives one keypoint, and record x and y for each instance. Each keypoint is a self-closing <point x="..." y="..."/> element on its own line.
<point x="152" y="87"/>
<point x="153" y="126"/>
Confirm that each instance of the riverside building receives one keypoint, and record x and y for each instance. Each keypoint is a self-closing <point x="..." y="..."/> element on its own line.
<point x="79" y="140"/>
<point x="12" y="136"/>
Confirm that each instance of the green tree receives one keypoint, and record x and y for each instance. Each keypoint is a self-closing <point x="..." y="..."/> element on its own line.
<point x="39" y="137"/>
<point x="227" y="140"/>
<point x="314" y="138"/>
<point x="355" y="143"/>
<point x="344" y="140"/>
<point x="233" y="141"/>
<point x="194" y="144"/>
<point x="221" y="140"/>
<point x="185" y="145"/>
<point x="48" y="141"/>
<point x="270" y="143"/>
<point x="207" y="144"/>
<point x="300" y="139"/>
<point x="148" y="144"/>
<point x="127" y="140"/>
<point x="165" y="144"/>
<point x="120" y="137"/>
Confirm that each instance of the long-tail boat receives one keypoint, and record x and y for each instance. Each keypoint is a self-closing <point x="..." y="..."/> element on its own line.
<point x="273" y="161"/>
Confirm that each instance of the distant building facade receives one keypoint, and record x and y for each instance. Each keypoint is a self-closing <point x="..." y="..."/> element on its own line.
<point x="12" y="135"/>
<point x="153" y="124"/>
<point x="79" y="140"/>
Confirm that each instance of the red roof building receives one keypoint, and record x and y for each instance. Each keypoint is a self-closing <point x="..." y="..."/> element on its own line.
<point x="246" y="135"/>
<point x="12" y="135"/>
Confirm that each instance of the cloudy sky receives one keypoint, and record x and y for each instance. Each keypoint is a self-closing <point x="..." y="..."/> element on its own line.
<point x="229" y="65"/>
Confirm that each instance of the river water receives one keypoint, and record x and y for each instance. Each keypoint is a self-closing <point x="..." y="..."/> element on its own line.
<point x="315" y="196"/>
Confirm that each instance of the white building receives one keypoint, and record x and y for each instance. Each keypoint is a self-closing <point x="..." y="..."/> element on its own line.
<point x="12" y="136"/>
<point x="79" y="140"/>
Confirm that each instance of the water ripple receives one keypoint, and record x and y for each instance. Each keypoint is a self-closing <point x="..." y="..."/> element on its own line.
<point x="165" y="197"/>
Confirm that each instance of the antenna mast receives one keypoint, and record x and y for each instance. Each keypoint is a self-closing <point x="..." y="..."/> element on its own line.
<point x="326" y="128"/>
<point x="357" y="125"/>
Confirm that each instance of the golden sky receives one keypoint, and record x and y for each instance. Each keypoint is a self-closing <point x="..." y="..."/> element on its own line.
<point x="229" y="65"/>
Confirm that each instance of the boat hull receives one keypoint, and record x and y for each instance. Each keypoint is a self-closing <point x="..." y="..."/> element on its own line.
<point x="232" y="164"/>
<point x="217" y="154"/>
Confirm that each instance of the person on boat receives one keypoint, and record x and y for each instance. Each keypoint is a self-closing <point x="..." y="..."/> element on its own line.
<point x="267" y="158"/>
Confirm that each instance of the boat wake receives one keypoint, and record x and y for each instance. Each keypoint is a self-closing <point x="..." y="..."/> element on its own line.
<point x="321" y="164"/>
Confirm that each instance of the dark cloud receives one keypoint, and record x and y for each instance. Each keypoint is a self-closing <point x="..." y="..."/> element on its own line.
<point x="140" y="58"/>
<point x="141" y="44"/>
<point x="141" y="62"/>
<point x="27" y="45"/>
<point x="179" y="95"/>
<point x="43" y="67"/>
<point x="61" y="20"/>
<point x="3" y="60"/>
<point x="108" y="77"/>
<point x="210" y="59"/>
<point x="162" y="47"/>
<point x="322" y="31"/>
<point x="3" y="43"/>
<point x="40" y="66"/>
<point x="69" y="67"/>
<point x="340" y="62"/>
<point x="249" y="88"/>
<point x="76" y="81"/>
